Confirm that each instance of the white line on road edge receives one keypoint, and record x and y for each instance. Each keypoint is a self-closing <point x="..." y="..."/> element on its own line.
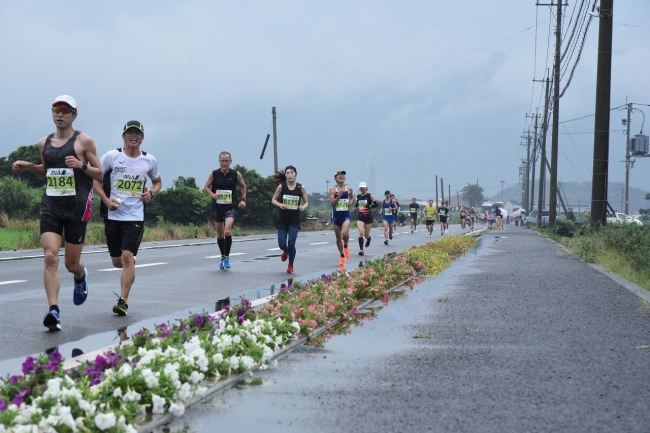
<point x="12" y="282"/>
<point x="145" y="265"/>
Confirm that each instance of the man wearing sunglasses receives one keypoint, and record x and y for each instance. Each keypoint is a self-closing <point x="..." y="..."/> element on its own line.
<point x="124" y="197"/>
<point x="69" y="162"/>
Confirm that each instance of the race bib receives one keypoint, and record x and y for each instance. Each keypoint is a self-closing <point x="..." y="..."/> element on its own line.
<point x="342" y="205"/>
<point x="291" y="201"/>
<point x="224" y="196"/>
<point x="60" y="182"/>
<point x="430" y="215"/>
<point x="414" y="210"/>
<point x="129" y="185"/>
<point x="388" y="212"/>
<point x="363" y="205"/>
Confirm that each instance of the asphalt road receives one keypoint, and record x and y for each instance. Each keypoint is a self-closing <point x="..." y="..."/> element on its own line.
<point x="524" y="338"/>
<point x="172" y="279"/>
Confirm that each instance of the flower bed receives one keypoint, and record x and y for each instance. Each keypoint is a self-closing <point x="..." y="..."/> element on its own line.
<point x="172" y="365"/>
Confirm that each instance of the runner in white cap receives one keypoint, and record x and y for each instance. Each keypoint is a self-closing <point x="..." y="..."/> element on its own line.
<point x="365" y="201"/>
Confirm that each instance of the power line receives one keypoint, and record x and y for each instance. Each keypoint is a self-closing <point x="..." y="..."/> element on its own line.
<point x="409" y="76"/>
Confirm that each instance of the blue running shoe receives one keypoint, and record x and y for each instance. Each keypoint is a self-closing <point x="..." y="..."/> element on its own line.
<point x="221" y="265"/>
<point x="80" y="292"/>
<point x="226" y="263"/>
<point x="390" y="236"/>
<point x="52" y="320"/>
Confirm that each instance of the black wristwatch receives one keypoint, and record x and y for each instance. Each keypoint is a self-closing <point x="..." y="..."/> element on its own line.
<point x="243" y="199"/>
<point x="84" y="167"/>
<point x="152" y="194"/>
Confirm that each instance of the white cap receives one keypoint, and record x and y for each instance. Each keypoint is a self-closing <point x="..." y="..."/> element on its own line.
<point x="363" y="185"/>
<point x="67" y="99"/>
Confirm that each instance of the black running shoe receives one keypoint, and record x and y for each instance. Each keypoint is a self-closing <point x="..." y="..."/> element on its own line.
<point x="121" y="308"/>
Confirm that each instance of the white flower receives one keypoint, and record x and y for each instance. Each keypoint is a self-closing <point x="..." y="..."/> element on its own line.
<point x="268" y="354"/>
<point x="226" y="341"/>
<point x="217" y="358"/>
<point x="105" y="420"/>
<point x="222" y="324"/>
<point x="185" y="391"/>
<point x="53" y="388"/>
<point x="86" y="406"/>
<point x="234" y="361"/>
<point x="236" y="339"/>
<point x="117" y="392"/>
<point x="177" y="409"/>
<point x="247" y="361"/>
<point x="202" y="362"/>
<point x="155" y="341"/>
<point x="296" y="325"/>
<point x="125" y="370"/>
<point x="196" y="377"/>
<point x="132" y="396"/>
<point x="171" y="370"/>
<point x="158" y="404"/>
<point x="149" y="378"/>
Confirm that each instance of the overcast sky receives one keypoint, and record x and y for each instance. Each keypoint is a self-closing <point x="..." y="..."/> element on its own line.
<point x="392" y="92"/>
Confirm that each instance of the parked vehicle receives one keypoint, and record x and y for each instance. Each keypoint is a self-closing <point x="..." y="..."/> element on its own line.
<point x="532" y="218"/>
<point x="618" y="217"/>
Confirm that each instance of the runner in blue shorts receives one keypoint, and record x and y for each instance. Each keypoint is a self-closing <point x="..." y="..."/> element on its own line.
<point x="341" y="198"/>
<point x="388" y="209"/>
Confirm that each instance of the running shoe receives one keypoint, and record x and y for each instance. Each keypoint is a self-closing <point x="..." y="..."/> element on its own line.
<point x="368" y="242"/>
<point x="284" y="256"/>
<point x="52" y="320"/>
<point x="411" y="231"/>
<point x="226" y="263"/>
<point x="429" y="234"/>
<point x="221" y="264"/>
<point x="290" y="269"/>
<point x="390" y="236"/>
<point x="121" y="308"/>
<point x="342" y="264"/>
<point x="361" y="253"/>
<point x="80" y="292"/>
<point x="385" y="242"/>
<point x="346" y="252"/>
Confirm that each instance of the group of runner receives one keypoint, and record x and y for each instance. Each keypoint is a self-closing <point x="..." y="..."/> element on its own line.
<point x="74" y="173"/>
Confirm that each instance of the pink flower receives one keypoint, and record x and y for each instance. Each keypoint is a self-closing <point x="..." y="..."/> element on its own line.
<point x="312" y="308"/>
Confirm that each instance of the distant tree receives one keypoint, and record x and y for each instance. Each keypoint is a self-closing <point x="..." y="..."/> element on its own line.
<point x="259" y="211"/>
<point x="29" y="153"/>
<point x="180" y="204"/>
<point x="473" y="194"/>
<point x="15" y="196"/>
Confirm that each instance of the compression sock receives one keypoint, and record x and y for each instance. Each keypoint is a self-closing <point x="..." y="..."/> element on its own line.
<point x="361" y="243"/>
<point x="221" y="242"/>
<point x="227" y="245"/>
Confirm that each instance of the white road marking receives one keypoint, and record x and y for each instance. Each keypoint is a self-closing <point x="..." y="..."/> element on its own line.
<point x="319" y="243"/>
<point x="219" y="256"/>
<point x="12" y="282"/>
<point x="273" y="249"/>
<point x="145" y="265"/>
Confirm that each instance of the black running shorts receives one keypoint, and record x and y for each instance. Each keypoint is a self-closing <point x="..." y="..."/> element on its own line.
<point x="365" y="217"/>
<point x="74" y="231"/>
<point x="123" y="236"/>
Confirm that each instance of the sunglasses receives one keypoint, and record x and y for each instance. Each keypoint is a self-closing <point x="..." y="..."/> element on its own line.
<point x="62" y="110"/>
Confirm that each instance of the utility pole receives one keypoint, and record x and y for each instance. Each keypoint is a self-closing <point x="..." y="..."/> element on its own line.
<point x="449" y="195"/>
<point x="552" y="196"/>
<point x="437" y="204"/>
<point x="601" y="122"/>
<point x="542" y="163"/>
<point x="327" y="188"/>
<point x="502" y="182"/>
<point x="442" y="190"/>
<point x="627" y="158"/>
<point x="534" y="160"/>
<point x="275" y="143"/>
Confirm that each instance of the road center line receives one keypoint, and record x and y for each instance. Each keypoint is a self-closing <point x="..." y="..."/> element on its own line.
<point x="218" y="257"/>
<point x="319" y="243"/>
<point x="2" y="283"/>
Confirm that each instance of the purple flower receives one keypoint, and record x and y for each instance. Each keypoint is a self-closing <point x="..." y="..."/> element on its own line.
<point x="15" y="379"/>
<point x="55" y="357"/>
<point x="198" y="320"/>
<point x="95" y="382"/>
<point x="3" y="405"/>
<point x="20" y="397"/>
<point x="226" y="308"/>
<point x="245" y="303"/>
<point x="162" y="326"/>
<point x="28" y="365"/>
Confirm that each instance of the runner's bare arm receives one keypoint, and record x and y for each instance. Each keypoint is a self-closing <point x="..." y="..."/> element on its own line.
<point x="208" y="187"/>
<point x="111" y="204"/>
<point x="38" y="169"/>
<point x="276" y="195"/>
<point x="155" y="187"/>
<point x="244" y="190"/>
<point x="88" y="156"/>
<point x="305" y="199"/>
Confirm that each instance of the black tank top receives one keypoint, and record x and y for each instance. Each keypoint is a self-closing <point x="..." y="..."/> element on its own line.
<point x="291" y="198"/>
<point x="224" y="182"/>
<point x="75" y="207"/>
<point x="364" y="202"/>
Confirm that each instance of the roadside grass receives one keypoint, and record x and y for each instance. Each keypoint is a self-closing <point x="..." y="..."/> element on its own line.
<point x="18" y="235"/>
<point x="620" y="248"/>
